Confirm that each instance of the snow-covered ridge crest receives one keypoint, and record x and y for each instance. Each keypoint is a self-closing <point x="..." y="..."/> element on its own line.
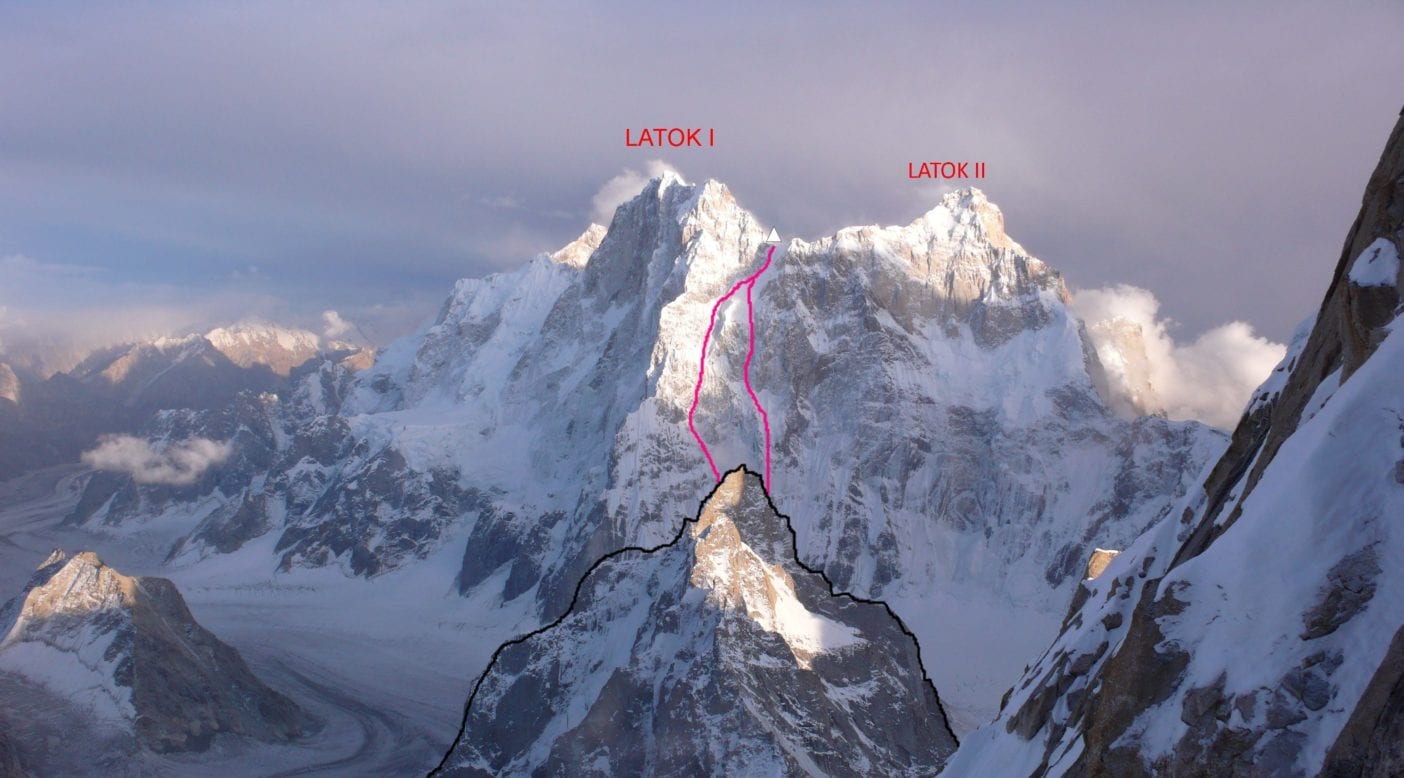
<point x="577" y="252"/>
<point x="967" y="216"/>
<point x="259" y="334"/>
<point x="961" y="253"/>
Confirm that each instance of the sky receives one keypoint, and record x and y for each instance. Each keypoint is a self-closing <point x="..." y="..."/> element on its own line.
<point x="171" y="166"/>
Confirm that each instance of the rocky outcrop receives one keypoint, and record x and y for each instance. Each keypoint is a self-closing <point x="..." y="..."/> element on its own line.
<point x="1097" y="563"/>
<point x="1372" y="741"/>
<point x="10" y="765"/>
<point x="10" y="388"/>
<point x="716" y="654"/>
<point x="1244" y="635"/>
<point x="129" y="651"/>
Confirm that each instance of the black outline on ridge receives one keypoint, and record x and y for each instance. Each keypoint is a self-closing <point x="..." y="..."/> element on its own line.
<point x="702" y="504"/>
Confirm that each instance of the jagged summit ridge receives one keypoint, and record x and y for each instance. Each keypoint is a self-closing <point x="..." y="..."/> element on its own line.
<point x="933" y="407"/>
<point x="966" y="215"/>
<point x="716" y="653"/>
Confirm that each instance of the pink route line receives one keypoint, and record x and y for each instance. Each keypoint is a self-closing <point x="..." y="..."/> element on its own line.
<point x="746" y="368"/>
<point x="750" y="284"/>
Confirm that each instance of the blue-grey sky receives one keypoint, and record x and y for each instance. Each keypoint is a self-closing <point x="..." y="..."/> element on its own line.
<point x="170" y="165"/>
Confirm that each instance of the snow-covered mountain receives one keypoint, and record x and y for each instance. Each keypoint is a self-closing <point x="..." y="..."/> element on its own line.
<point x="717" y="654"/>
<point x="939" y="438"/>
<point x="126" y="654"/>
<point x="279" y="348"/>
<point x="168" y="372"/>
<point x="1258" y="630"/>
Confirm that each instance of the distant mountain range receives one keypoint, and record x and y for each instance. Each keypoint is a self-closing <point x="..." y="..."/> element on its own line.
<point x="52" y="420"/>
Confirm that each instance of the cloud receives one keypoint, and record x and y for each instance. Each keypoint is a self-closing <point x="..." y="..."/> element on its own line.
<point x="176" y="464"/>
<point x="335" y="325"/>
<point x="624" y="187"/>
<point x="1209" y="379"/>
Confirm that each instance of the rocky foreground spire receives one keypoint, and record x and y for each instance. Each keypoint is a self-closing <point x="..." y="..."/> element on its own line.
<point x="127" y="651"/>
<point x="718" y="653"/>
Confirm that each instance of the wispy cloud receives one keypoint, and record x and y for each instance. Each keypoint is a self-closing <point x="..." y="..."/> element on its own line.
<point x="176" y="464"/>
<point x="622" y="188"/>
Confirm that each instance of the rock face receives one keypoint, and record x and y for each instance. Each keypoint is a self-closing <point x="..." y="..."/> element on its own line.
<point x="10" y="765"/>
<point x="717" y="654"/>
<point x="937" y="427"/>
<point x="1097" y="563"/>
<point x="1121" y="348"/>
<point x="1257" y="630"/>
<point x="129" y="651"/>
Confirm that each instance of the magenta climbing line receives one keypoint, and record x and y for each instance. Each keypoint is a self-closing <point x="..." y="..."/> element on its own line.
<point x="701" y="371"/>
<point x="749" y="282"/>
<point x="746" y="368"/>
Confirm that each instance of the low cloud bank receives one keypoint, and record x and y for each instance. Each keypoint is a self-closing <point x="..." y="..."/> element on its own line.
<point x="1209" y="379"/>
<point x="176" y="464"/>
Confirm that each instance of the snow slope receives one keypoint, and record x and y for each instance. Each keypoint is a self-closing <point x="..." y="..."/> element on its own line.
<point x="1260" y="628"/>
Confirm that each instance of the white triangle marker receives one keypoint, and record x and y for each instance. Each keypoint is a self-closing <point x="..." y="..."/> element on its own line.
<point x="773" y="237"/>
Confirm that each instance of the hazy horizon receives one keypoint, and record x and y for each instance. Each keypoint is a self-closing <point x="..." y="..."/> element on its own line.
<point x="169" y="168"/>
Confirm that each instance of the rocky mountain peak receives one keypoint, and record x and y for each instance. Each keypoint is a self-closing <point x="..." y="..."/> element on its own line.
<point x="77" y="586"/>
<point x="577" y="252"/>
<point x="960" y="254"/>
<point x="966" y="216"/>
<point x="140" y="661"/>
<point x="121" y="363"/>
<point x="742" y="549"/>
<point x="737" y="506"/>
<point x="708" y="656"/>
<point x="9" y="384"/>
<point x="280" y="348"/>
